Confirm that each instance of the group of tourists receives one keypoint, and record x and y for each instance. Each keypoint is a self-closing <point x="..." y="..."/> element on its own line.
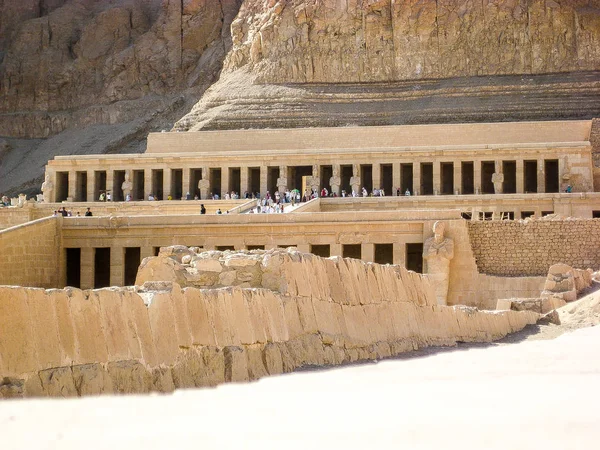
<point x="69" y="213"/>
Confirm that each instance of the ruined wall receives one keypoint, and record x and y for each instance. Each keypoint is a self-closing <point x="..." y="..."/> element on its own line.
<point x="159" y="337"/>
<point x="529" y="248"/>
<point x="30" y="254"/>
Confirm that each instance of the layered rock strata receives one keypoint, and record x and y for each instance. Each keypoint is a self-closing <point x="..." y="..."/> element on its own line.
<point x="159" y="337"/>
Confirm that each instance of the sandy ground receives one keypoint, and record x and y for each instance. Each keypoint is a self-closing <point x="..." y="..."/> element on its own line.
<point x="528" y="395"/>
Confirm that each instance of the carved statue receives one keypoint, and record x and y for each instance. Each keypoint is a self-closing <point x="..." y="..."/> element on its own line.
<point x="355" y="180"/>
<point x="335" y="181"/>
<point x="47" y="188"/>
<point x="204" y="184"/>
<point x="314" y="182"/>
<point x="127" y="186"/>
<point x="282" y="181"/>
<point x="498" y="178"/>
<point x="438" y="251"/>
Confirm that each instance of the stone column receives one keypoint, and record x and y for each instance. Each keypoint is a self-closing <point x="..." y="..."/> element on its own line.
<point x="416" y="188"/>
<point x="148" y="183"/>
<point x="520" y="175"/>
<point x="72" y="185"/>
<point x="225" y="181"/>
<point x="110" y="181"/>
<point x="243" y="181"/>
<point x="167" y="181"/>
<point x="457" y="177"/>
<point x="541" y="179"/>
<point x="367" y="252"/>
<point x="437" y="177"/>
<point x="185" y="182"/>
<point x="87" y="268"/>
<point x="477" y="176"/>
<point x="117" y="266"/>
<point x="263" y="181"/>
<point x="400" y="253"/>
<point x="376" y="178"/>
<point x="335" y="249"/>
<point x="91" y="185"/>
<point x="396" y="182"/>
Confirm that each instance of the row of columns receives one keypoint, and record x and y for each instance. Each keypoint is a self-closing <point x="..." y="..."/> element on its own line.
<point x="376" y="171"/>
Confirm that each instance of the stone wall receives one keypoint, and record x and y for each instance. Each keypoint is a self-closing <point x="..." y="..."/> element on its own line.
<point x="529" y="248"/>
<point x="30" y="254"/>
<point x="160" y="337"/>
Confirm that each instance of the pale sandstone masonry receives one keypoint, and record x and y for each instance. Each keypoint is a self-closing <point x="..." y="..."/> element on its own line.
<point x="530" y="247"/>
<point x="159" y="337"/>
<point x="30" y="253"/>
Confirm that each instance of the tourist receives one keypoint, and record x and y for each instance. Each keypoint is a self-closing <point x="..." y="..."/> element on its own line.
<point x="398" y="192"/>
<point x="569" y="189"/>
<point x="108" y="197"/>
<point x="219" y="211"/>
<point x="78" y="214"/>
<point x="63" y="212"/>
<point x="202" y="209"/>
<point x="88" y="213"/>
<point x="364" y="192"/>
<point x="407" y="193"/>
<point x="128" y="197"/>
<point x="102" y="197"/>
<point x="196" y="197"/>
<point x="188" y="196"/>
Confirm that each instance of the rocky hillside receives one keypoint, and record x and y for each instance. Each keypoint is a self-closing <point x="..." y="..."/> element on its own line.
<point x="337" y="62"/>
<point x="95" y="76"/>
<point x="89" y="76"/>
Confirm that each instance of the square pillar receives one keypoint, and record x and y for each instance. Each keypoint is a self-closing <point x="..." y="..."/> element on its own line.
<point x="376" y="176"/>
<point x="396" y="182"/>
<point x="263" y="180"/>
<point x="304" y="248"/>
<point x="91" y="186"/>
<point x="117" y="266"/>
<point x="167" y="179"/>
<point x="367" y="252"/>
<point x="185" y="182"/>
<point x="416" y="188"/>
<point x="437" y="177"/>
<point x="477" y="176"/>
<point x="400" y="254"/>
<point x="520" y="177"/>
<point x="541" y="179"/>
<point x="87" y="268"/>
<point x="335" y="249"/>
<point x="243" y="181"/>
<point x="110" y="177"/>
<point x="457" y="177"/>
<point x="146" y="252"/>
<point x="225" y="181"/>
<point x="72" y="193"/>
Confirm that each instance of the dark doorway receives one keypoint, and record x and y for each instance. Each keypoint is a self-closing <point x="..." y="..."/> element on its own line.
<point x="468" y="177"/>
<point x="414" y="257"/>
<point x="156" y="251"/>
<point x="254" y="177"/>
<point x="272" y="175"/>
<point x="487" y="170"/>
<point x="176" y="184"/>
<point x="447" y="175"/>
<point x="384" y="253"/>
<point x="101" y="267"/>
<point x="138" y="185"/>
<point x="426" y="179"/>
<point x="595" y="214"/>
<point x="195" y="177"/>
<point x="326" y="174"/>
<point x="215" y="182"/>
<point x="295" y="174"/>
<point x="352" y="251"/>
<point x="62" y="186"/>
<point x="157" y="188"/>
<point x="132" y="262"/>
<point x="366" y="177"/>
<point x="346" y="174"/>
<point x="406" y="178"/>
<point x="509" y="169"/>
<point x="235" y="179"/>
<point x="551" y="177"/>
<point x="81" y="191"/>
<point x="223" y="248"/>
<point x="526" y="214"/>
<point x="99" y="184"/>
<point x="255" y="247"/>
<point x="118" y="179"/>
<point x="387" y="179"/>
<point x="530" y="175"/>
<point x="73" y="258"/>
<point x="547" y="213"/>
<point x="323" y="251"/>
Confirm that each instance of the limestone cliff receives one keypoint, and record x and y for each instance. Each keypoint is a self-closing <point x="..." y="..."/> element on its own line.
<point x="337" y="62"/>
<point x="95" y="76"/>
